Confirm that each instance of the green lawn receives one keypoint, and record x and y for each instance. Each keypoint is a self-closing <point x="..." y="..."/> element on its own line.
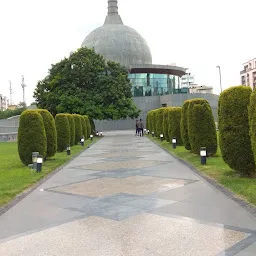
<point x="15" y="177"/>
<point x="217" y="169"/>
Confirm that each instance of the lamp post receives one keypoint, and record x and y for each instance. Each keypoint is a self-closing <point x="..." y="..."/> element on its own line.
<point x="153" y="134"/>
<point x="220" y="77"/>
<point x="34" y="159"/>
<point x="174" y="142"/>
<point x="203" y="154"/>
<point x="161" y="137"/>
<point x="68" y="151"/>
<point x="39" y="163"/>
<point x="91" y="136"/>
<point x="148" y="132"/>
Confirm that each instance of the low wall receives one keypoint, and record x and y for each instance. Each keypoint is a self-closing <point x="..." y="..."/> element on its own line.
<point x="9" y="128"/>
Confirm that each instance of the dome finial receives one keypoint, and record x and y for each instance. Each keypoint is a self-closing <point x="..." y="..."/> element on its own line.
<point x="112" y="7"/>
<point x="113" y="17"/>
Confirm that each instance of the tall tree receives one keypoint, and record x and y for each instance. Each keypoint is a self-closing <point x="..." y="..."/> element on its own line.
<point x="84" y="84"/>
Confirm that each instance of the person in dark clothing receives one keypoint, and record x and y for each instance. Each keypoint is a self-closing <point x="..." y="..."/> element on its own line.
<point x="137" y="128"/>
<point x="141" y="127"/>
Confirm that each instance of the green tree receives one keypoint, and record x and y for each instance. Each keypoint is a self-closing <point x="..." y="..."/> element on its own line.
<point x="174" y="117"/>
<point x="85" y="83"/>
<point x="71" y="128"/>
<point x="51" y="133"/>
<point x="31" y="136"/>
<point x="78" y="128"/>
<point x="184" y="125"/>
<point x="63" y="132"/>
<point x="235" y="142"/>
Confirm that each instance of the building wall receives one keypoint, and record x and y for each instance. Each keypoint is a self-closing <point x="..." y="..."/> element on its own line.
<point x="248" y="74"/>
<point x="9" y="128"/>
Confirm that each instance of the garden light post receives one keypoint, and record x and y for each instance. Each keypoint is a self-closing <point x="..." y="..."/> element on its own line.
<point x="82" y="142"/>
<point x="68" y="151"/>
<point x="39" y="163"/>
<point x="34" y="159"/>
<point x="174" y="142"/>
<point x="203" y="154"/>
<point x="148" y="132"/>
<point x="91" y="136"/>
<point x="220" y="77"/>
<point x="161" y="137"/>
<point x="153" y="134"/>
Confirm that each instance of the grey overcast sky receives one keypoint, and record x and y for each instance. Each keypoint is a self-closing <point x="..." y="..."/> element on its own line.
<point x="197" y="34"/>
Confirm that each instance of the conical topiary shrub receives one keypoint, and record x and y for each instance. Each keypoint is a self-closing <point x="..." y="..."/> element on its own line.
<point x="50" y="130"/>
<point x="71" y="128"/>
<point x="63" y="132"/>
<point x="78" y="128"/>
<point x="184" y="125"/>
<point x="88" y="126"/>
<point x="31" y="136"/>
<point x="174" y="117"/>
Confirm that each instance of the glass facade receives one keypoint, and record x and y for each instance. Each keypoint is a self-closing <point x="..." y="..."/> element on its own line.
<point x="155" y="84"/>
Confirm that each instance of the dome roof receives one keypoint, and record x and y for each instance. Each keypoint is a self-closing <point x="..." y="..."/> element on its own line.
<point x="118" y="42"/>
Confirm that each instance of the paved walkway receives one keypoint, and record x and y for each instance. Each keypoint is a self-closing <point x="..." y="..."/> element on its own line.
<point x="125" y="196"/>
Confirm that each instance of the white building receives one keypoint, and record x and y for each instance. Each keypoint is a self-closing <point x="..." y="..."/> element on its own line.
<point x="187" y="80"/>
<point x="195" y="88"/>
<point x="248" y="74"/>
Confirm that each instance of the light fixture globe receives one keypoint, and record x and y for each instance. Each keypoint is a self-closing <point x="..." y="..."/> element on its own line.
<point x="118" y="42"/>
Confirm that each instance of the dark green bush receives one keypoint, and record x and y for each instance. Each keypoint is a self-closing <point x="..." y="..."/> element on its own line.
<point x="50" y="130"/>
<point x="201" y="127"/>
<point x="174" y="117"/>
<point x="184" y="125"/>
<point x="234" y="136"/>
<point x="159" y="121"/>
<point x="84" y="128"/>
<point x="31" y="136"/>
<point x="78" y="128"/>
<point x="63" y="132"/>
<point x="252" y="122"/>
<point x="166" y="124"/>
<point x="71" y="128"/>
<point x="88" y="126"/>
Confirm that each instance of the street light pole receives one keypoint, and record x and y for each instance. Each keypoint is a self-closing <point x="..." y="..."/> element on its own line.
<point x="220" y="78"/>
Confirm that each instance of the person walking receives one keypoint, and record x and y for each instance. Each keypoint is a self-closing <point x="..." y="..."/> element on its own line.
<point x="141" y="127"/>
<point x="137" y="128"/>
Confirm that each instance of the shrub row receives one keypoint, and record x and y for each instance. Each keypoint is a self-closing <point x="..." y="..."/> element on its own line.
<point x="39" y="132"/>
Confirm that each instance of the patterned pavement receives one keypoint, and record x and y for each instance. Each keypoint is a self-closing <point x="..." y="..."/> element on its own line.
<point x="125" y="196"/>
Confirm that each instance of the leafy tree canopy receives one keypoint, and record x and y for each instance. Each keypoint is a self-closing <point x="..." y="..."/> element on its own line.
<point x="86" y="84"/>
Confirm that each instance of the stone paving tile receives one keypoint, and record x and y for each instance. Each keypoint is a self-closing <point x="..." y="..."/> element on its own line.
<point x="145" y="234"/>
<point x="137" y="185"/>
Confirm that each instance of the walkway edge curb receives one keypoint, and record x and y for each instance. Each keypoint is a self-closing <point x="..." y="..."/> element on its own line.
<point x="247" y="206"/>
<point x="26" y="192"/>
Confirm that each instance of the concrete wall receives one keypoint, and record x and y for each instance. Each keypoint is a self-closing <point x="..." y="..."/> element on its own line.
<point x="148" y="103"/>
<point x="9" y="128"/>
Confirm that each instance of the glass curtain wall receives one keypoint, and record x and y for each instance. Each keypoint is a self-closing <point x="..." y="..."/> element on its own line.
<point x="154" y="84"/>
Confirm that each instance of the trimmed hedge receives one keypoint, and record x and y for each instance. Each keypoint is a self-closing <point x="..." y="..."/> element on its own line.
<point x="184" y="125"/>
<point x="71" y="129"/>
<point x="84" y="128"/>
<point x="31" y="136"/>
<point x="92" y="125"/>
<point x="235" y="142"/>
<point x="252" y="122"/>
<point x="149" y="120"/>
<point x="153" y="121"/>
<point x="88" y="126"/>
<point x="201" y="127"/>
<point x="78" y="128"/>
<point x="50" y="130"/>
<point x="63" y="132"/>
<point x="174" y="117"/>
<point x="166" y="123"/>
<point x="159" y="121"/>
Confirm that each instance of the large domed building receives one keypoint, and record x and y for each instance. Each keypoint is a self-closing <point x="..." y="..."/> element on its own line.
<point x="120" y="43"/>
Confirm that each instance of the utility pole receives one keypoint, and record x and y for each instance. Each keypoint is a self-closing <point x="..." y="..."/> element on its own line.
<point x="220" y="78"/>
<point x="23" y="87"/>
<point x="11" y="92"/>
